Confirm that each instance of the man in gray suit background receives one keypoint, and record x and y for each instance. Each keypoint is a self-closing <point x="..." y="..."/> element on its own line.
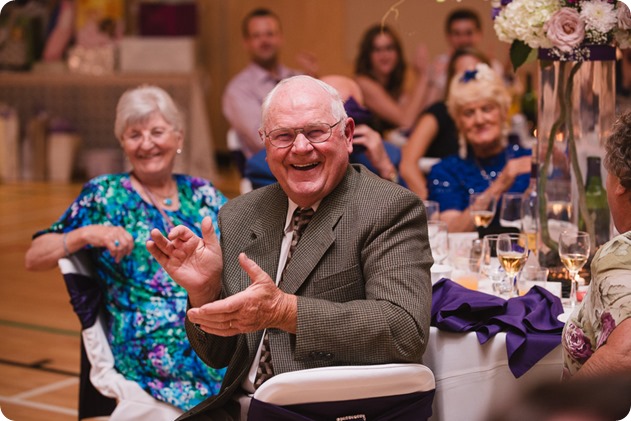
<point x="356" y="286"/>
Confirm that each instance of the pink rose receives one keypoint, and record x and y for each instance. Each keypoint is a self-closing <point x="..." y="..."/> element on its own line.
<point x="565" y="29"/>
<point x="576" y="344"/>
<point x="608" y="325"/>
<point x="624" y="16"/>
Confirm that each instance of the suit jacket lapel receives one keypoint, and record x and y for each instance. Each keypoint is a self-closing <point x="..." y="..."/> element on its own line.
<point x="319" y="234"/>
<point x="266" y="234"/>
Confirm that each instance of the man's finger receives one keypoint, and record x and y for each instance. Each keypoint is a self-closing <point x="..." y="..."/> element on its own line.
<point x="157" y="254"/>
<point x="253" y="270"/>
<point x="208" y="231"/>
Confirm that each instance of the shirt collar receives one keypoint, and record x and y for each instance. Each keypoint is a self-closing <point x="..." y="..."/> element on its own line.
<point x="290" y="213"/>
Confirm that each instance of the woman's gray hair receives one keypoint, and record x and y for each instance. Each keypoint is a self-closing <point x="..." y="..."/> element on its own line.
<point x="618" y="150"/>
<point x="337" y="104"/>
<point x="138" y="104"/>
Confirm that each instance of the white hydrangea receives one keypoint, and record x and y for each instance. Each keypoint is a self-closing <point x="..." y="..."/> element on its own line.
<point x="599" y="16"/>
<point x="523" y="20"/>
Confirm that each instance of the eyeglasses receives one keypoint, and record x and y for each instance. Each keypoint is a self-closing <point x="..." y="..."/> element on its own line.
<point x="156" y="135"/>
<point x="284" y="137"/>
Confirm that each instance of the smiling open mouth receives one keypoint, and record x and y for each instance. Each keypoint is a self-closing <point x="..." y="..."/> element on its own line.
<point x="305" y="167"/>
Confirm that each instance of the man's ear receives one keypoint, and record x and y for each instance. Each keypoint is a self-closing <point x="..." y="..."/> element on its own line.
<point x="350" y="128"/>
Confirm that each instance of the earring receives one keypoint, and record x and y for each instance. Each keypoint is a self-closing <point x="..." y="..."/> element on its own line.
<point x="462" y="146"/>
<point x="178" y="151"/>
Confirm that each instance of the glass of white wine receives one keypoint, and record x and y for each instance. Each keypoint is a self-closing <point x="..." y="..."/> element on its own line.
<point x="512" y="252"/>
<point x="482" y="207"/>
<point x="574" y="251"/>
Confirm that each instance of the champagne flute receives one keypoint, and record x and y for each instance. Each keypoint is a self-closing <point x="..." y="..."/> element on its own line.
<point x="438" y="240"/>
<point x="510" y="211"/>
<point x="482" y="207"/>
<point x="512" y="252"/>
<point x="574" y="251"/>
<point x="432" y="210"/>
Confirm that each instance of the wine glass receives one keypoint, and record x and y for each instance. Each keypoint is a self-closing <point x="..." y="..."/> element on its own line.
<point x="512" y="252"/>
<point x="574" y="251"/>
<point x="432" y="210"/>
<point x="482" y="207"/>
<point x="438" y="240"/>
<point x="510" y="211"/>
<point x="489" y="264"/>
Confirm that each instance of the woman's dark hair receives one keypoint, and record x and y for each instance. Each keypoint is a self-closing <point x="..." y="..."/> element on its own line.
<point x="363" y="64"/>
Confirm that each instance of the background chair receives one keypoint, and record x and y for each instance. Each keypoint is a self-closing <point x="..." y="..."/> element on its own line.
<point x="373" y="392"/>
<point x="103" y="391"/>
<point x="234" y="146"/>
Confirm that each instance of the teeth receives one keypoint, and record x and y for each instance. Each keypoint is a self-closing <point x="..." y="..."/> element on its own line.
<point x="305" y="165"/>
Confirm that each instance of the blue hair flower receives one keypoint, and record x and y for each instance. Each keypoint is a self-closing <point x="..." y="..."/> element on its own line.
<point x="469" y="75"/>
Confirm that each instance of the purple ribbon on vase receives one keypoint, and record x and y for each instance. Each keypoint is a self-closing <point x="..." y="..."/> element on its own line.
<point x="530" y="321"/>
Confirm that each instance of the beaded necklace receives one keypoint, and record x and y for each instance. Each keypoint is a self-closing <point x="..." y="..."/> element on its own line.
<point x="168" y="223"/>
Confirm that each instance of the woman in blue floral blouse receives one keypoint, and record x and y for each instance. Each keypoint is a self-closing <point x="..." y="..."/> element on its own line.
<point x="112" y="218"/>
<point x="597" y="335"/>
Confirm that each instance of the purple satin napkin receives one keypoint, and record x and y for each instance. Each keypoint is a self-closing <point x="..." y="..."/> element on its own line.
<point x="530" y="322"/>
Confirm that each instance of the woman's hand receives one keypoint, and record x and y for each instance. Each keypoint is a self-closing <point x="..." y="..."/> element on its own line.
<point x="116" y="240"/>
<point x="421" y="59"/>
<point x="194" y="263"/>
<point x="513" y="168"/>
<point x="47" y="249"/>
<point x="375" y="150"/>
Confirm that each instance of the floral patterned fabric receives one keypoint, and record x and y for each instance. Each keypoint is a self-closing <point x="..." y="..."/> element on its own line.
<point x="606" y="304"/>
<point x="145" y="307"/>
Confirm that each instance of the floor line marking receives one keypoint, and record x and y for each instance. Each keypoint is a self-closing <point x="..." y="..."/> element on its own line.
<point x="47" y="329"/>
<point x="47" y="388"/>
<point x="41" y="406"/>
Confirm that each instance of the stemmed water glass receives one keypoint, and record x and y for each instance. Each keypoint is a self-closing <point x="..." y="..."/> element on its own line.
<point x="432" y="210"/>
<point x="482" y="207"/>
<point x="512" y="252"/>
<point x="438" y="240"/>
<point x="490" y="265"/>
<point x="510" y="211"/>
<point x="574" y="250"/>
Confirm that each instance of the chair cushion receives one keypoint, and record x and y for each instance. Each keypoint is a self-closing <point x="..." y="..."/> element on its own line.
<point x="337" y="383"/>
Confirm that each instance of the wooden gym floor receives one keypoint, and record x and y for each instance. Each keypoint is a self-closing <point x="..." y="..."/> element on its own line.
<point x="39" y="349"/>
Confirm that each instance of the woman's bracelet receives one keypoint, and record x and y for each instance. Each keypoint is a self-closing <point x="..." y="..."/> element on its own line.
<point x="66" y="245"/>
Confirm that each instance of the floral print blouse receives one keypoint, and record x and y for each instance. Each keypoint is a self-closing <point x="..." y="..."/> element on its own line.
<point x="145" y="307"/>
<point x="606" y="304"/>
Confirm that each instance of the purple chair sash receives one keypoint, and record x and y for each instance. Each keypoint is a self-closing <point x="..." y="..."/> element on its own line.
<point x="85" y="297"/>
<point x="530" y="322"/>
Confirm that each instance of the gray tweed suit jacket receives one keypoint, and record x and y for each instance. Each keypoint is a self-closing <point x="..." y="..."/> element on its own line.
<point x="360" y="271"/>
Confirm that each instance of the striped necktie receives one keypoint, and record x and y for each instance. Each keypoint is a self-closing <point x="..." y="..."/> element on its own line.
<point x="300" y="219"/>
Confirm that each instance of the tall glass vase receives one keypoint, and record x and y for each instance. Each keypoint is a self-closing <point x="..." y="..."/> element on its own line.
<point x="576" y="113"/>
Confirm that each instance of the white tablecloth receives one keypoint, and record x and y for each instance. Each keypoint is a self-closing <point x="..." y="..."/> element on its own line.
<point x="472" y="380"/>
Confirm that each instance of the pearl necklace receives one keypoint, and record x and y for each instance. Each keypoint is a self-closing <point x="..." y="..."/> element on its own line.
<point x="488" y="177"/>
